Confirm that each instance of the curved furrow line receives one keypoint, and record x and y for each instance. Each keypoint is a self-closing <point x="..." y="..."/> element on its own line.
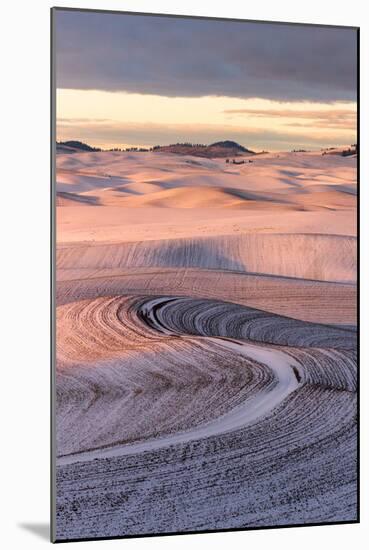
<point x="260" y="403"/>
<point x="125" y="356"/>
<point x="311" y="256"/>
<point x="146" y="393"/>
<point x="321" y="302"/>
<point x="183" y="315"/>
<point x="297" y="465"/>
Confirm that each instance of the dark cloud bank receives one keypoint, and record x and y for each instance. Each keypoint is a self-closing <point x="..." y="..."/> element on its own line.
<point x="194" y="57"/>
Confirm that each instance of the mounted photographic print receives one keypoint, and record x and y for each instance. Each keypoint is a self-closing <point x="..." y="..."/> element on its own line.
<point x="204" y="176"/>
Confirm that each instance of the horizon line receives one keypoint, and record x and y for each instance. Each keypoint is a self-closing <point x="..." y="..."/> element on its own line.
<point x="151" y="148"/>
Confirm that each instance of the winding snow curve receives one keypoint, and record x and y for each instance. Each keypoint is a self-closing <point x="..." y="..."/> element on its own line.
<point x="243" y="415"/>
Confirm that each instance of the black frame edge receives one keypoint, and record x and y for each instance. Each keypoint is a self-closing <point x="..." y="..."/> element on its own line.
<point x="358" y="506"/>
<point x="52" y="277"/>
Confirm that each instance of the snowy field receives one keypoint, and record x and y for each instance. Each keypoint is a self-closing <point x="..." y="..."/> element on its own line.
<point x="206" y="342"/>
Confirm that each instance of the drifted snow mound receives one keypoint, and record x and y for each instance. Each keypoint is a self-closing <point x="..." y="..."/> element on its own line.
<point x="305" y="256"/>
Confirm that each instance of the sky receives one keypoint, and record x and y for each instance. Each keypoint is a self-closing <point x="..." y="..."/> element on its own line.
<point x="127" y="80"/>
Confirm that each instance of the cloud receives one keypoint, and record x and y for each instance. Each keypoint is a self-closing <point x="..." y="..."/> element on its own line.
<point x="84" y="119"/>
<point x="196" y="57"/>
<point x="117" y="133"/>
<point x="332" y="118"/>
